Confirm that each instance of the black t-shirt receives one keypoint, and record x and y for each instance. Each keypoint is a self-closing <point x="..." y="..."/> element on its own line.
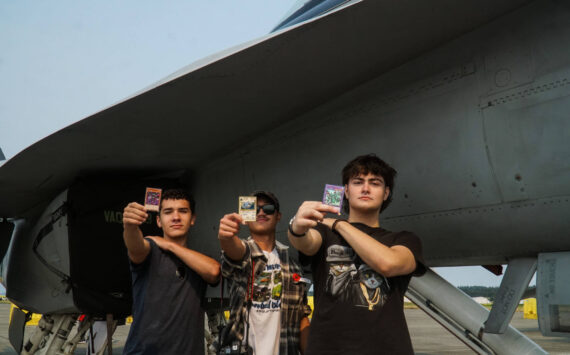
<point x="168" y="314"/>
<point x="357" y="310"/>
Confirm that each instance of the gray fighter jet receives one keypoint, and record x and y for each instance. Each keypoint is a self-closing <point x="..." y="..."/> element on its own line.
<point x="469" y="100"/>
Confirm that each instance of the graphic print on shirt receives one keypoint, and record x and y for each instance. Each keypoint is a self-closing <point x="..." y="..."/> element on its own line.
<point x="267" y="289"/>
<point x="360" y="286"/>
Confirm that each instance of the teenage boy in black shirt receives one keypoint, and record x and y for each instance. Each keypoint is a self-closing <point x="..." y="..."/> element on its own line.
<point x="169" y="280"/>
<point x="361" y="271"/>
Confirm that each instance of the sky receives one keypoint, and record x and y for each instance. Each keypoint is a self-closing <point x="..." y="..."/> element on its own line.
<point x="61" y="61"/>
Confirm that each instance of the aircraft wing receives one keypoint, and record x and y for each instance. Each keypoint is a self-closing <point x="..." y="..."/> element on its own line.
<point x="210" y="107"/>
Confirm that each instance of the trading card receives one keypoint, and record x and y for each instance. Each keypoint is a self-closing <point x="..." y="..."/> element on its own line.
<point x="333" y="196"/>
<point x="248" y="208"/>
<point x="152" y="199"/>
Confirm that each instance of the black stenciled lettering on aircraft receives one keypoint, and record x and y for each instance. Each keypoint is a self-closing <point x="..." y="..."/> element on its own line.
<point x="117" y="217"/>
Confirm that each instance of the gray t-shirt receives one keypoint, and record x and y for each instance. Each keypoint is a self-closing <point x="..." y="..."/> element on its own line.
<point x="168" y="314"/>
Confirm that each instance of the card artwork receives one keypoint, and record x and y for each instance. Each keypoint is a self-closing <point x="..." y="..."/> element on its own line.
<point x="248" y="208"/>
<point x="333" y="196"/>
<point x="152" y="199"/>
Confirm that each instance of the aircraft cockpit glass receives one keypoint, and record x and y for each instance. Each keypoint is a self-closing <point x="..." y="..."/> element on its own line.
<point x="296" y="9"/>
<point x="304" y="10"/>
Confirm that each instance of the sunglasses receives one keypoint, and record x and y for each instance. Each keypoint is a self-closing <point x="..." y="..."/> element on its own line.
<point x="267" y="209"/>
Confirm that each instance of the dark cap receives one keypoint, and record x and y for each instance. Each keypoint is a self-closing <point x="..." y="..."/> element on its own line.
<point x="268" y="196"/>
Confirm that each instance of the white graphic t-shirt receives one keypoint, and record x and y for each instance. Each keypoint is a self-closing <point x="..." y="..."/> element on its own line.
<point x="265" y="314"/>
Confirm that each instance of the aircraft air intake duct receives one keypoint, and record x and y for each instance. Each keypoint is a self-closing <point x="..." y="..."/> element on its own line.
<point x="72" y="258"/>
<point x="6" y="229"/>
<point x="99" y="266"/>
<point x="465" y="318"/>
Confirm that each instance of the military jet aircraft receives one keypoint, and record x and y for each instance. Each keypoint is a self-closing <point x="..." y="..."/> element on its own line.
<point x="469" y="100"/>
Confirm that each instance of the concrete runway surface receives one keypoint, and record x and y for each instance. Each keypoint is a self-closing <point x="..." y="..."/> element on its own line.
<point x="428" y="337"/>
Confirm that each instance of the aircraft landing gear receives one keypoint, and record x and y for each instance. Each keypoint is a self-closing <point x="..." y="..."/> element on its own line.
<point x="57" y="334"/>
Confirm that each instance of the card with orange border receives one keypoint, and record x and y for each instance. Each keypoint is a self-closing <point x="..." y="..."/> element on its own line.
<point x="152" y="199"/>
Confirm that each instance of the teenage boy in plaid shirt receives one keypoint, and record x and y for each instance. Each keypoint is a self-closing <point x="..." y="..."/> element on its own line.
<point x="278" y="322"/>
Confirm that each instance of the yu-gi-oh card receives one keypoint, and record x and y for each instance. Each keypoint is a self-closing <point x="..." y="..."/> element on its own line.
<point x="152" y="199"/>
<point x="333" y="196"/>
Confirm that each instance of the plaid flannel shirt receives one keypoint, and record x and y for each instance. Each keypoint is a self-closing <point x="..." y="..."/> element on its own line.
<point x="293" y="299"/>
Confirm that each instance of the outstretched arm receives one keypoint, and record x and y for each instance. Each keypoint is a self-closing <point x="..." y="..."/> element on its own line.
<point x="138" y="248"/>
<point x="206" y="267"/>
<point x="388" y="261"/>
<point x="307" y="217"/>
<point x="233" y="247"/>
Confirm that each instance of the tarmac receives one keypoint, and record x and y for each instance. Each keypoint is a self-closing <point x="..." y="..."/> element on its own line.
<point x="428" y="337"/>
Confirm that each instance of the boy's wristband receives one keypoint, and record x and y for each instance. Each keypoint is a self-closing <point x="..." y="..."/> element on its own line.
<point x="291" y="229"/>
<point x="333" y="227"/>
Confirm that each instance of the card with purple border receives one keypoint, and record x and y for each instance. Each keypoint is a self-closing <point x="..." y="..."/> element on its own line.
<point x="333" y="196"/>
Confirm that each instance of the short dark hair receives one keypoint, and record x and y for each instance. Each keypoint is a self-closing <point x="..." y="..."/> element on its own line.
<point x="365" y="164"/>
<point x="178" y="194"/>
